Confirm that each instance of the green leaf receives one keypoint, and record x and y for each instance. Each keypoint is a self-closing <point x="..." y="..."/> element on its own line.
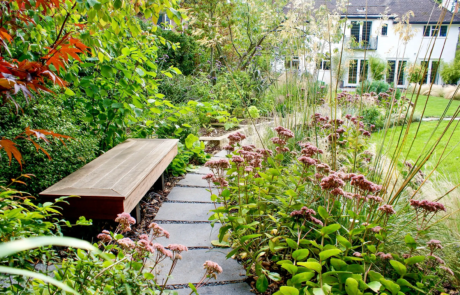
<point x="323" y="255"/>
<point x="375" y="276"/>
<point x="323" y="212"/>
<point x="399" y="267"/>
<point x="92" y="2"/>
<point x="262" y="283"/>
<point x="351" y="286"/>
<point x="117" y="105"/>
<point x="302" y="277"/>
<point x="300" y="254"/>
<point x="292" y="269"/>
<point x="190" y="140"/>
<point x="414" y="260"/>
<point x="403" y="282"/>
<point x="289" y="290"/>
<point x="410" y="241"/>
<point x="274" y="276"/>
<point x="338" y="264"/>
<point x="390" y="285"/>
<point x="117" y="4"/>
<point x="148" y="276"/>
<point x="374" y="286"/>
<point x="344" y="242"/>
<point x="330" y="229"/>
<point x="106" y="71"/>
<point x="318" y="291"/>
<point x="69" y="92"/>
<point x="311" y="265"/>
<point x="291" y="243"/>
<point x="36" y="275"/>
<point x="140" y="72"/>
<point x="10" y="248"/>
<point x="192" y="286"/>
<point x="249" y="237"/>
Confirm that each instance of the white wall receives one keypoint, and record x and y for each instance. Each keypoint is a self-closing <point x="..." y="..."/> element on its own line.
<point x="391" y="47"/>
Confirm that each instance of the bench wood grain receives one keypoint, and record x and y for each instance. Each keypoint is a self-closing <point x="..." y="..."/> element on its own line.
<point x="116" y="181"/>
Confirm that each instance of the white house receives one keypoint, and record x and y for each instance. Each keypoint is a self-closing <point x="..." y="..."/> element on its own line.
<point x="369" y="33"/>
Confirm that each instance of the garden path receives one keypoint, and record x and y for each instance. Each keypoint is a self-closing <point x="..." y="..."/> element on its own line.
<point x="185" y="215"/>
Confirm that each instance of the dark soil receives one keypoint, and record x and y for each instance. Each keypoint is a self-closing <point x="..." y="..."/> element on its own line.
<point x="215" y="131"/>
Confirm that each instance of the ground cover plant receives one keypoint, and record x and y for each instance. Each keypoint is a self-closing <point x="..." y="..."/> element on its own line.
<point x="310" y="229"/>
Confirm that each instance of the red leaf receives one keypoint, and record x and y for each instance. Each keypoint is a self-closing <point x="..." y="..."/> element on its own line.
<point x="4" y="35"/>
<point x="11" y="150"/>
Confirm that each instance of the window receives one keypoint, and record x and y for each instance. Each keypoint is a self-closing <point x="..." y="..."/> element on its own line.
<point x="353" y="72"/>
<point x="363" y="70"/>
<point x="292" y="63"/>
<point x="434" y="31"/>
<point x="164" y="21"/>
<point x="391" y="71"/>
<point x="426" y="31"/>
<point x="385" y="30"/>
<point x="361" y="33"/>
<point x="325" y="65"/>
<point x="355" y="30"/>
<point x="401" y="72"/>
<point x="431" y="69"/>
<point x="443" y="31"/>
<point x="434" y="71"/>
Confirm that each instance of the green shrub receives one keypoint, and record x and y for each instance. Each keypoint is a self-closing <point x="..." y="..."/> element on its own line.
<point x="192" y="152"/>
<point x="377" y="68"/>
<point x="186" y="57"/>
<point x="311" y="230"/>
<point x="65" y="159"/>
<point x="373" y="116"/>
<point x="450" y="72"/>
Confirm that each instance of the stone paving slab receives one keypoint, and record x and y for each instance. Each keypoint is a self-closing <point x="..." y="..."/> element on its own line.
<point x="202" y="170"/>
<point x="194" y="180"/>
<point x="185" y="212"/>
<point x="221" y="154"/>
<point x="190" y="235"/>
<point x="190" y="268"/>
<point x="230" y="289"/>
<point x="189" y="194"/>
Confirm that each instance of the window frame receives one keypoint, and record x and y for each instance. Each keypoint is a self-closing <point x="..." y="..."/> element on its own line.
<point x="355" y="67"/>
<point x="435" y="31"/>
<point x="384" y="31"/>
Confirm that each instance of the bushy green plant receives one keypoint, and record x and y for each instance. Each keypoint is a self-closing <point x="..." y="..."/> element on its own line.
<point x="450" y="72"/>
<point x="81" y="149"/>
<point x="316" y="231"/>
<point x="189" y="153"/>
<point x="373" y="116"/>
<point x="115" y="265"/>
<point x="377" y="68"/>
<point x="182" y="51"/>
<point x="253" y="112"/>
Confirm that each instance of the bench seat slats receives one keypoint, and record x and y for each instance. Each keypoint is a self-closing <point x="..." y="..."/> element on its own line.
<point x="124" y="173"/>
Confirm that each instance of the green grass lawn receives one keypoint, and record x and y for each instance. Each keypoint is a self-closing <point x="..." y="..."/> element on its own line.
<point x="435" y="106"/>
<point x="448" y="168"/>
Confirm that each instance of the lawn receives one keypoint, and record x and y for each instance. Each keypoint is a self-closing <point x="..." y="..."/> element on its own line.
<point x="448" y="167"/>
<point x="435" y="106"/>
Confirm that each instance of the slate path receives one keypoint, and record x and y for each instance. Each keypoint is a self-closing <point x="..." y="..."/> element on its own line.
<point x="185" y="216"/>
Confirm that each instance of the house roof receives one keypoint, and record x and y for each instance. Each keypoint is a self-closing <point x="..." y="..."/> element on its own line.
<point x="425" y="11"/>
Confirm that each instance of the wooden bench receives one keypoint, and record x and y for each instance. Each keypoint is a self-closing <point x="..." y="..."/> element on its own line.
<point x="116" y="181"/>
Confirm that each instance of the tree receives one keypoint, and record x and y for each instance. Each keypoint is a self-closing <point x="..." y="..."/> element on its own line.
<point x="95" y="48"/>
<point x="450" y="72"/>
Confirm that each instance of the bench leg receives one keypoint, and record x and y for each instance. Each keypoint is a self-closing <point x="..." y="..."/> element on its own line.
<point x="160" y="183"/>
<point x="138" y="212"/>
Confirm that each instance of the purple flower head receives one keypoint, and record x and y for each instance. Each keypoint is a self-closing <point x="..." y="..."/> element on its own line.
<point x="387" y="209"/>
